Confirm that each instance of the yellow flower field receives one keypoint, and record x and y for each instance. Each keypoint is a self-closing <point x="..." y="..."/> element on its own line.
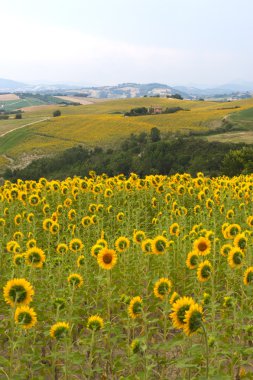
<point x="127" y="278"/>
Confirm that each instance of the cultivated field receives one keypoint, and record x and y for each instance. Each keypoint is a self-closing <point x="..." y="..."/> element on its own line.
<point x="127" y="278"/>
<point x="103" y="124"/>
<point x="4" y="97"/>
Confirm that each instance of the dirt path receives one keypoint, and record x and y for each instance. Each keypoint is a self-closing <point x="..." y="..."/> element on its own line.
<point x="25" y="125"/>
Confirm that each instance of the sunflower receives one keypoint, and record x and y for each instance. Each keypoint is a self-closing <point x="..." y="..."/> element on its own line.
<point x="30" y="217"/>
<point x="232" y="230"/>
<point x="107" y="258"/>
<point x="159" y="245"/>
<point x="25" y="316"/>
<point x="137" y="346"/>
<point x="193" y="319"/>
<point x="95" y="249"/>
<point x="86" y="221"/>
<point x="108" y="193"/>
<point x="146" y="246"/>
<point x="225" y="249"/>
<point x="95" y="323"/>
<point x="68" y="202"/>
<point x="18" y="219"/>
<point x="72" y="214"/>
<point x="62" y="248"/>
<point x="35" y="257"/>
<point x="18" y="291"/>
<point x="228" y="302"/>
<point x="34" y="200"/>
<point x="13" y="246"/>
<point x="59" y="303"/>
<point x="59" y="330"/>
<point x="75" y="280"/>
<point x="235" y="257"/>
<point x="192" y="260"/>
<point x="197" y="209"/>
<point x="47" y="223"/>
<point x="175" y="296"/>
<point x="75" y="245"/>
<point x="250" y="220"/>
<point x="202" y="245"/>
<point x="80" y="261"/>
<point x="204" y="271"/>
<point x="162" y="288"/>
<point x="240" y="241"/>
<point x="18" y="235"/>
<point x="139" y="236"/>
<point x="120" y="216"/>
<point x="18" y="259"/>
<point x="179" y="308"/>
<point x="102" y="242"/>
<point x="122" y="244"/>
<point x="174" y="229"/>
<point x="248" y="276"/>
<point x="135" y="307"/>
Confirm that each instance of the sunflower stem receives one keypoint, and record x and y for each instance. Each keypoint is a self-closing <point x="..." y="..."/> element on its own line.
<point x="207" y="351"/>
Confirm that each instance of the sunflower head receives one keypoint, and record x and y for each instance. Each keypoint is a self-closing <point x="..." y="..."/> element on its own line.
<point x="179" y="308"/>
<point x="146" y="246"/>
<point x="137" y="346"/>
<point x="59" y="330"/>
<point x="135" y="307"/>
<point x="202" y="245"/>
<point x="235" y="257"/>
<point x="95" y="323"/>
<point x="35" y="257"/>
<point x="192" y="260"/>
<point x="193" y="319"/>
<point x="75" y="280"/>
<point x="162" y="288"/>
<point x="25" y="316"/>
<point x="248" y="276"/>
<point x="122" y="244"/>
<point x="139" y="236"/>
<point x="204" y="271"/>
<point x="59" y="303"/>
<point x="107" y="258"/>
<point x="80" y="261"/>
<point x="159" y="245"/>
<point x="175" y="296"/>
<point x="18" y="292"/>
<point x="76" y="245"/>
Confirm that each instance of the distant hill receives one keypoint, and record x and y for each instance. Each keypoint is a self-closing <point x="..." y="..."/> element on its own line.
<point x="8" y="84"/>
<point x="237" y="90"/>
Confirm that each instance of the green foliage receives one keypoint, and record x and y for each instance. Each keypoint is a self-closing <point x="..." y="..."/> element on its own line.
<point x="56" y="113"/>
<point x="155" y="134"/>
<point x="144" y="154"/>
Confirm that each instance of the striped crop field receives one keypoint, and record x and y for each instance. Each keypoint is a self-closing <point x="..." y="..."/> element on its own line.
<point x="103" y="124"/>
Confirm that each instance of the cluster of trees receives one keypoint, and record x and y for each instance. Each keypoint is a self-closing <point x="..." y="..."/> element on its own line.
<point x="141" y="111"/>
<point x="144" y="154"/>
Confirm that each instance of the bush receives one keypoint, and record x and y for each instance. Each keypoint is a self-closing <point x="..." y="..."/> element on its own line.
<point x="18" y="116"/>
<point x="56" y="113"/>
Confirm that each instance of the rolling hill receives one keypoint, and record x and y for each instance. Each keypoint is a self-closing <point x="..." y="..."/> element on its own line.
<point x="104" y="124"/>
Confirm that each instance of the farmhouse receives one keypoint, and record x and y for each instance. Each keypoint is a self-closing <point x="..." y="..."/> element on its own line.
<point x="155" y="110"/>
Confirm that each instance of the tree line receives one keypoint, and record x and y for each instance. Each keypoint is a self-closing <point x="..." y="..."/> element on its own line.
<point x="144" y="154"/>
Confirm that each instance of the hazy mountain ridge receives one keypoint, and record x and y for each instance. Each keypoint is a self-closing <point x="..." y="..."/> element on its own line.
<point x="131" y="90"/>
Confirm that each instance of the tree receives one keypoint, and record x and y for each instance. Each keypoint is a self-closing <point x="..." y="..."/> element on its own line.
<point x="177" y="96"/>
<point x="155" y="134"/>
<point x="56" y="113"/>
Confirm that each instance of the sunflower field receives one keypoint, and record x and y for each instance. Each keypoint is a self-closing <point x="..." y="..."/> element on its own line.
<point x="127" y="278"/>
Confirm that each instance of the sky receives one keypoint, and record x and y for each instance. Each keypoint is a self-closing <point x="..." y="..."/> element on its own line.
<point x="105" y="42"/>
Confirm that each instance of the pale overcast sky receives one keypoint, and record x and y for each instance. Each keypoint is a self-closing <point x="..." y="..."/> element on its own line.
<point x="114" y="41"/>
